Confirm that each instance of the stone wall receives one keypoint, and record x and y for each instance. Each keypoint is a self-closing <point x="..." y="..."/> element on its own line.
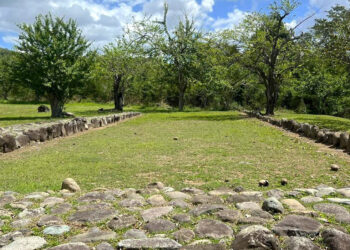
<point x="339" y="140"/>
<point x="18" y="136"/>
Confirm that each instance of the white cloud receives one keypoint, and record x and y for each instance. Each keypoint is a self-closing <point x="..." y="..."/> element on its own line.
<point x="233" y="18"/>
<point x="102" y="20"/>
<point x="10" y="39"/>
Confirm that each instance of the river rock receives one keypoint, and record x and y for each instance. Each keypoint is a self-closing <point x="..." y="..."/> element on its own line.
<point x="295" y="225"/>
<point x="122" y="221"/>
<point x="184" y="235"/>
<point x="71" y="185"/>
<point x="182" y="218"/>
<point x="255" y="237"/>
<point x="311" y="199"/>
<point x="94" y="234"/>
<point x="155" y="212"/>
<point x="213" y="229"/>
<point x="229" y="215"/>
<point x="336" y="240"/>
<point x="159" y="226"/>
<point x="26" y="243"/>
<point x="104" y="246"/>
<point x="149" y="243"/>
<point x="206" y="209"/>
<point x="156" y="200"/>
<point x="56" y="230"/>
<point x="135" y="234"/>
<point x="300" y="243"/>
<point x="247" y="205"/>
<point x="71" y="246"/>
<point x="272" y="205"/>
<point x="49" y="220"/>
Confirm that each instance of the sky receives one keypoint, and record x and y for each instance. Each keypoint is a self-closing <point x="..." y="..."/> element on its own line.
<point x="101" y="21"/>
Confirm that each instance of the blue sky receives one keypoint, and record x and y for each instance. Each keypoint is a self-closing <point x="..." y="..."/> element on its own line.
<point x="103" y="20"/>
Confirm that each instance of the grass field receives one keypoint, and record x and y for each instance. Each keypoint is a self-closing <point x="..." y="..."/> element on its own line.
<point x="213" y="149"/>
<point x="323" y="121"/>
<point x="11" y="114"/>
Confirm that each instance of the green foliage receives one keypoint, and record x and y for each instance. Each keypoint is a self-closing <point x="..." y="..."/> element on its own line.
<point x="53" y="59"/>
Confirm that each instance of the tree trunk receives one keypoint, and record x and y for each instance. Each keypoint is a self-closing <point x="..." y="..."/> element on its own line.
<point x="56" y="107"/>
<point x="182" y="90"/>
<point x="118" y="93"/>
<point x="271" y="97"/>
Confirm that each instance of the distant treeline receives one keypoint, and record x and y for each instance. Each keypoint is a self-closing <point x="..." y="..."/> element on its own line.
<point x="262" y="64"/>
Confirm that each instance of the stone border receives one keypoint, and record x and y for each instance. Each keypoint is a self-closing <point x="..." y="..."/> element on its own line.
<point x="18" y="136"/>
<point x="339" y="140"/>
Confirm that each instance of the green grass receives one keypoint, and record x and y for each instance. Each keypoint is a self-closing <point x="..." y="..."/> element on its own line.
<point x="11" y="114"/>
<point x="213" y="149"/>
<point x="323" y="121"/>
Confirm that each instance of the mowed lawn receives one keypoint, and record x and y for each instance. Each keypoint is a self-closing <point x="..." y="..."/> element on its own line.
<point x="11" y="114"/>
<point x="323" y="121"/>
<point x="213" y="149"/>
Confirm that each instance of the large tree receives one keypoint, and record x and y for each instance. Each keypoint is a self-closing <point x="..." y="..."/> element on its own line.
<point x="177" y="47"/>
<point x="7" y="59"/>
<point x="268" y="48"/>
<point x="54" y="59"/>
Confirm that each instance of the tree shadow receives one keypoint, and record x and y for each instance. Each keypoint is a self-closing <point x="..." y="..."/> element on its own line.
<point x="214" y="117"/>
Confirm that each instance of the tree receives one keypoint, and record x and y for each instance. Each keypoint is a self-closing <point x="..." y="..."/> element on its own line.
<point x="6" y="65"/>
<point x="178" y="48"/>
<point x="120" y="63"/>
<point x="54" y="59"/>
<point x="269" y="48"/>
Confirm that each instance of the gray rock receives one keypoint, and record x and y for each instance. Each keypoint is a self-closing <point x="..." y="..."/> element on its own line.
<point x="155" y="212"/>
<point x="26" y="243"/>
<point x="272" y="205"/>
<point x="184" y="235"/>
<point x="229" y="215"/>
<point x="311" y="199"/>
<point x="159" y="226"/>
<point x="71" y="246"/>
<point x="150" y="243"/>
<point x="253" y="220"/>
<point x="192" y="191"/>
<point x="21" y="204"/>
<point x="222" y="191"/>
<point x="156" y="200"/>
<point x="94" y="234"/>
<point x="104" y="246"/>
<point x="206" y="199"/>
<point x="247" y="205"/>
<point x="343" y="140"/>
<point x="56" y="230"/>
<point x="261" y="214"/>
<point x="7" y="238"/>
<point x="71" y="185"/>
<point x="157" y="185"/>
<point x="325" y="191"/>
<point x="178" y="195"/>
<point x="122" y="221"/>
<point x="135" y="234"/>
<point x="31" y="213"/>
<point x="339" y="200"/>
<point x="255" y="237"/>
<point x="340" y="213"/>
<point x="6" y="199"/>
<point x="96" y="196"/>
<point x="182" y="218"/>
<point x="294" y="205"/>
<point x="295" y="225"/>
<point x="93" y="213"/>
<point x="300" y="243"/>
<point x="48" y="220"/>
<point x="61" y="208"/>
<point x="294" y="194"/>
<point x="245" y="197"/>
<point x="51" y="201"/>
<point x="213" y="229"/>
<point x="344" y="191"/>
<point x="206" y="209"/>
<point x="179" y="203"/>
<point x="21" y="223"/>
<point x="131" y="203"/>
<point x="206" y="246"/>
<point x="336" y="240"/>
<point x="277" y="193"/>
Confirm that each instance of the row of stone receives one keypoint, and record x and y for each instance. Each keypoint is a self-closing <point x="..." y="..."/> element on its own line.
<point x="99" y="206"/>
<point x="339" y="140"/>
<point x="18" y="136"/>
